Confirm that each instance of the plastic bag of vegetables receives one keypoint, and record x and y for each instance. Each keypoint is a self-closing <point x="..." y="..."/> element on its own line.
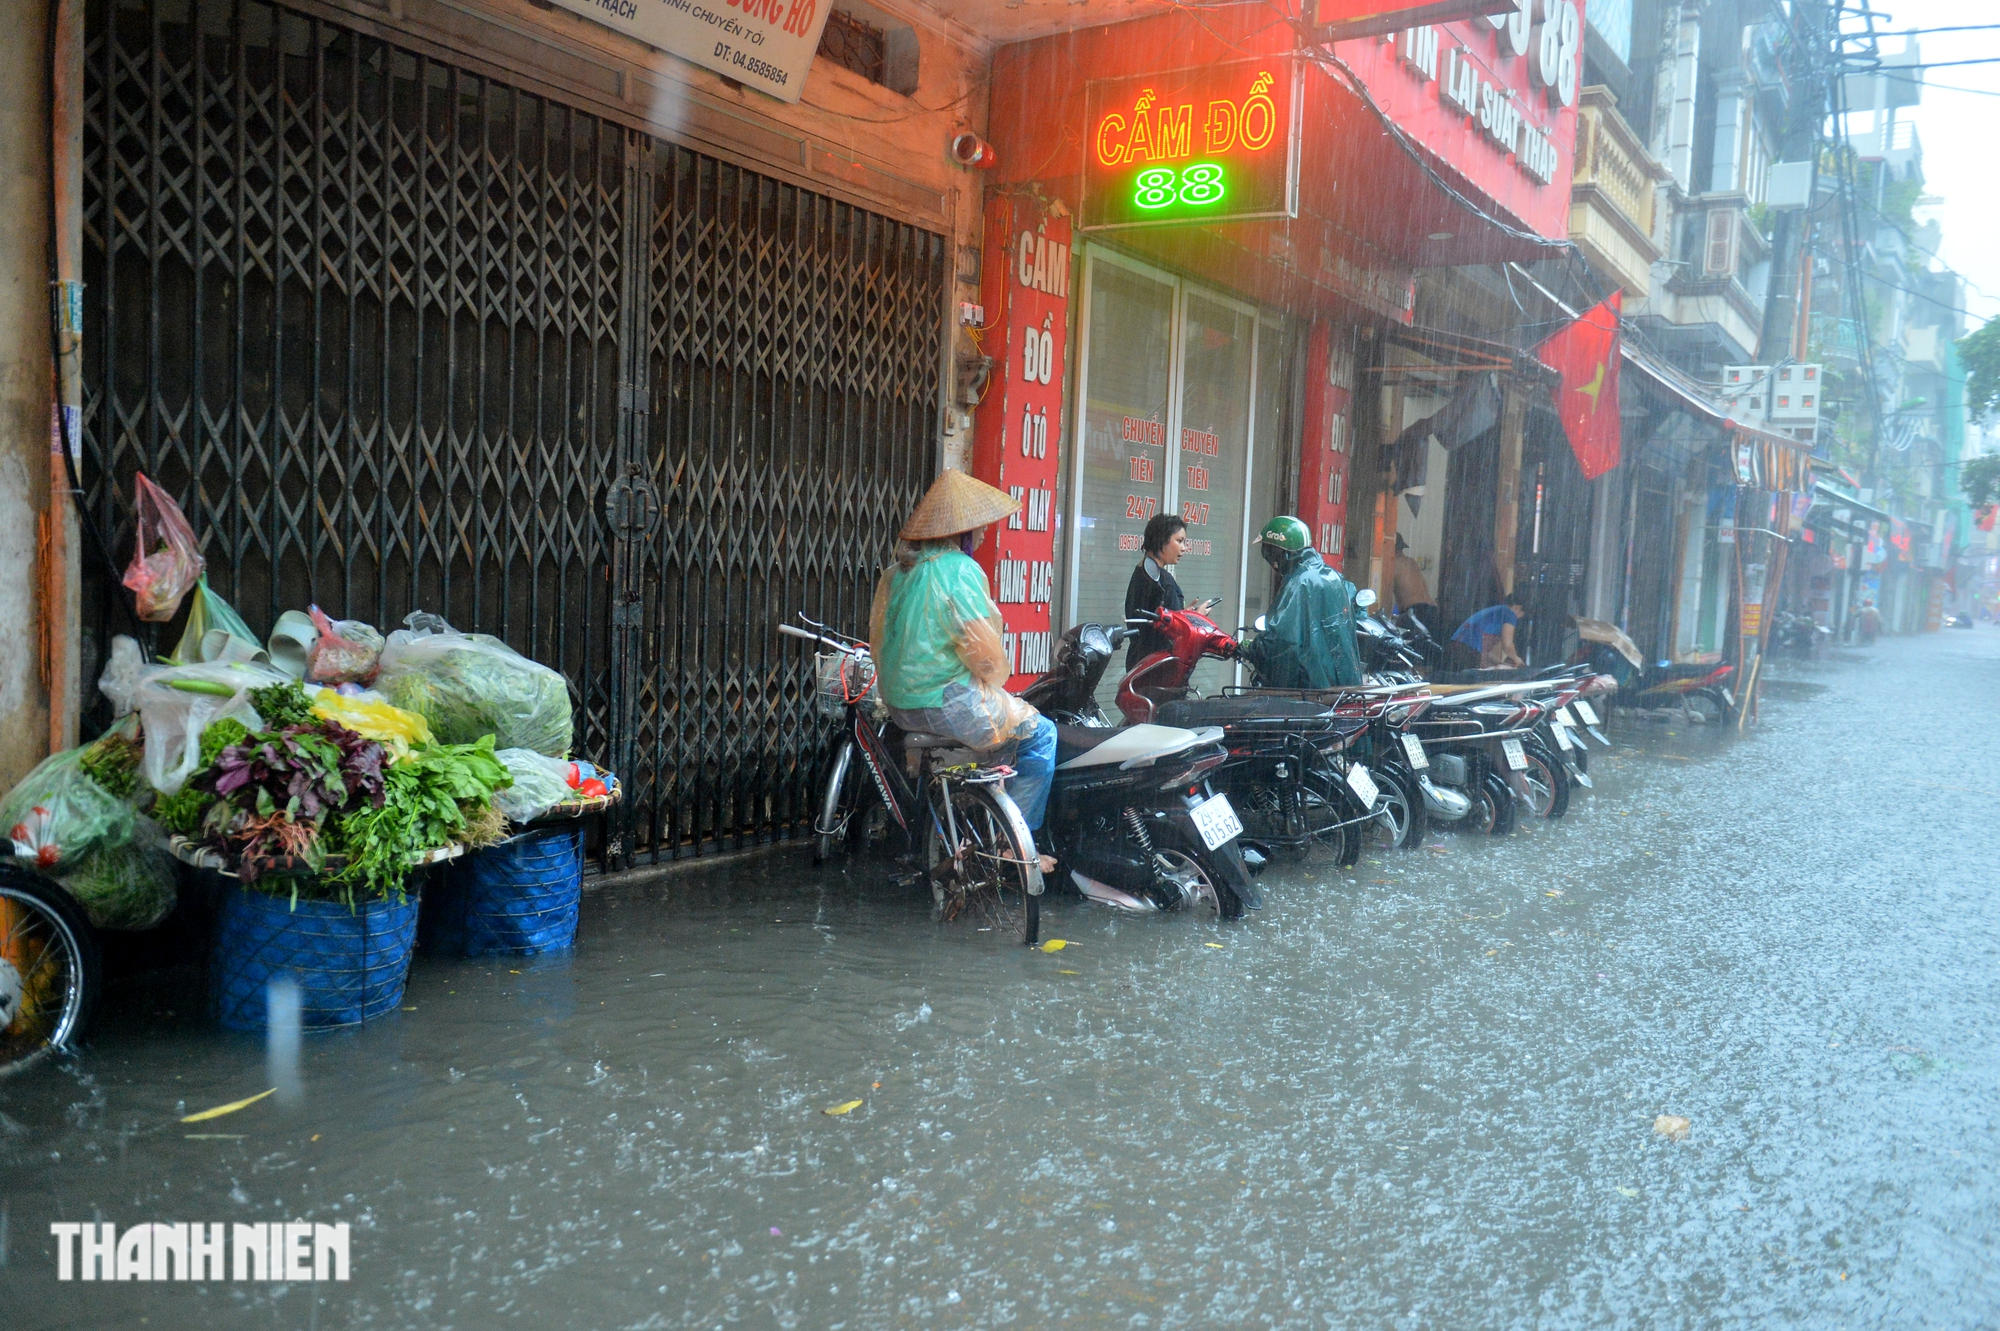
<point x="469" y="685"/>
<point x="540" y="783"/>
<point x="70" y="819"/>
<point x="176" y="703"/>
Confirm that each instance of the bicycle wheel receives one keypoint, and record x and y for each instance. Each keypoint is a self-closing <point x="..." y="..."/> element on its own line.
<point x="48" y="969"/>
<point x="980" y="859"/>
<point x="837" y="805"/>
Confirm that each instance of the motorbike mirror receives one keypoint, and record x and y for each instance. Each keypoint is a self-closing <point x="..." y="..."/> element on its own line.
<point x="1259" y="625"/>
<point x="1365" y="597"/>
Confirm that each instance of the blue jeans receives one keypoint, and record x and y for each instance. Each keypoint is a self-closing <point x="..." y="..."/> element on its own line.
<point x="1035" y="771"/>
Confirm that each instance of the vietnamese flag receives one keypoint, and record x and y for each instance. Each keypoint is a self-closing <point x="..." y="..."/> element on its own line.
<point x="1585" y="354"/>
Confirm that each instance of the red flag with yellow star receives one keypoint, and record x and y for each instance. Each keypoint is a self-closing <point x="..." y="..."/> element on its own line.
<point x="1586" y="355"/>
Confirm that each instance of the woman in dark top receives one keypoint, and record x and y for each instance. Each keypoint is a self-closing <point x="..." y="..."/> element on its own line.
<point x="1153" y="587"/>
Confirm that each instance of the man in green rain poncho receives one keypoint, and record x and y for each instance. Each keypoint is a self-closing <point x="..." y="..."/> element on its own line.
<point x="1308" y="638"/>
<point x="936" y="637"/>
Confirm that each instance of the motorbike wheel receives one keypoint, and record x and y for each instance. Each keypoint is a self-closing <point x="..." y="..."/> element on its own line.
<point x="1409" y="820"/>
<point x="1704" y="708"/>
<point x="1212" y="888"/>
<point x="1492" y="807"/>
<point x="988" y="875"/>
<point x="1548" y="782"/>
<point x="839" y="807"/>
<point x="49" y="969"/>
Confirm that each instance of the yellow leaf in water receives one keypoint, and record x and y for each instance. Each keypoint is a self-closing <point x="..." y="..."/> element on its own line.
<point x="1055" y="945"/>
<point x="837" y="1110"/>
<point x="1492" y="951"/>
<point x="1069" y="972"/>
<point x="220" y="1110"/>
<point x="1628" y="1192"/>
<point x="1217" y="946"/>
<point x="1672" y="1126"/>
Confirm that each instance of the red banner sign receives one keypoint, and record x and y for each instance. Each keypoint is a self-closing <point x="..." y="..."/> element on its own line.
<point x="1018" y="426"/>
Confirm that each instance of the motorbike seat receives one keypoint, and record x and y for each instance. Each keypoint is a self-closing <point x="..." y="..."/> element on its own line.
<point x="1072" y="741"/>
<point x="1190" y="713"/>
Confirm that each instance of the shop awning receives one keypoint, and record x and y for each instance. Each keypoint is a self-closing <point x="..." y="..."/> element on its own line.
<point x="1690" y="397"/>
<point x="1465" y="353"/>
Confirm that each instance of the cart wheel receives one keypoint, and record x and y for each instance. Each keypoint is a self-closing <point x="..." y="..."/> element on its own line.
<point x="48" y="969"/>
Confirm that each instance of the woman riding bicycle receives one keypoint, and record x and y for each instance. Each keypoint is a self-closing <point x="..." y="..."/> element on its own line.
<point x="936" y="637"/>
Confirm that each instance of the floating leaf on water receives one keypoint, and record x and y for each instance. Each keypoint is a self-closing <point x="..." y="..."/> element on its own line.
<point x="1492" y="951"/>
<point x="231" y="1108"/>
<point x="835" y="1111"/>
<point x="1628" y="1192"/>
<point x="1672" y="1126"/>
<point x="1069" y="972"/>
<point x="1217" y="946"/>
<point x="1055" y="945"/>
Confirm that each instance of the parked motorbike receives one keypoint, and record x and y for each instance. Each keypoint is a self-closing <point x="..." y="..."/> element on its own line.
<point x="1798" y="635"/>
<point x="1311" y="769"/>
<point x="1128" y="838"/>
<point x="1696" y="694"/>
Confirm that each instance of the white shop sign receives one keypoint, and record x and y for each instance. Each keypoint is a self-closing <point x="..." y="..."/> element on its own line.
<point x="764" y="44"/>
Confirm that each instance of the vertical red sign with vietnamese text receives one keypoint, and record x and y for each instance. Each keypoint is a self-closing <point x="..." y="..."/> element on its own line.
<point x="1327" y="443"/>
<point x="1017" y="444"/>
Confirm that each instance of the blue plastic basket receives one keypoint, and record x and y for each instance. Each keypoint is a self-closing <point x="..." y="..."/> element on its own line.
<point x="350" y="965"/>
<point x="518" y="898"/>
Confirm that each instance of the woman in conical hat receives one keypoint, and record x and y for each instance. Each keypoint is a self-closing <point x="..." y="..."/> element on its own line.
<point x="935" y="632"/>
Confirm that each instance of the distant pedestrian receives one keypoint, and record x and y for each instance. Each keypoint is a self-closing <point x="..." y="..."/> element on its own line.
<point x="1489" y="634"/>
<point x="1868" y="623"/>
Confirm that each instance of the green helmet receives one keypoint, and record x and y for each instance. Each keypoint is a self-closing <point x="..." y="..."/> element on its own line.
<point x="1287" y="533"/>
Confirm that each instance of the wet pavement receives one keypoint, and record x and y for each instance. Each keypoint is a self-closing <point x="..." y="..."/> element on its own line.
<point x="1420" y="1093"/>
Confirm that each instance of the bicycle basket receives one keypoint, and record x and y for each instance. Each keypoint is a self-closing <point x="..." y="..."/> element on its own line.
<point x="844" y="679"/>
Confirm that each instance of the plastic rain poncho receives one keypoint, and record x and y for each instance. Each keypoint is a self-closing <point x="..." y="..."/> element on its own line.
<point x="935" y="633"/>
<point x="1308" y="638"/>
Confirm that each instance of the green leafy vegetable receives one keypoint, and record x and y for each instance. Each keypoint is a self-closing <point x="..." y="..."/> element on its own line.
<point x="219" y="736"/>
<point x="113" y="763"/>
<point x="425" y="804"/>
<point x="183" y="811"/>
<point x="283" y="705"/>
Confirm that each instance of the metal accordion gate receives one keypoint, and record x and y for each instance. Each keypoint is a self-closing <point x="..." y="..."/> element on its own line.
<point x="400" y="336"/>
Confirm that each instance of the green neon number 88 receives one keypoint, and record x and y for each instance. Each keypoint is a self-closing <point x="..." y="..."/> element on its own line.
<point x="1197" y="186"/>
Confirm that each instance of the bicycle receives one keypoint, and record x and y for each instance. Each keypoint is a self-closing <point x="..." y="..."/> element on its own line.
<point x="976" y="850"/>
<point x="49" y="969"/>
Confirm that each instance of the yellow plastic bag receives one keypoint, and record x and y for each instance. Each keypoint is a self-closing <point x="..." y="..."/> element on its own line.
<point x="367" y="715"/>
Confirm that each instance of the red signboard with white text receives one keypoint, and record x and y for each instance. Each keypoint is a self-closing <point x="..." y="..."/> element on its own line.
<point x="1018" y="425"/>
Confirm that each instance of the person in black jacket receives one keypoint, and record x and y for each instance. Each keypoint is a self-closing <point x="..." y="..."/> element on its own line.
<point x="1153" y="587"/>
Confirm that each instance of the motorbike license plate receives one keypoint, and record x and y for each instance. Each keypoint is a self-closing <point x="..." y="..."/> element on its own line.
<point x="1216" y="820"/>
<point x="1562" y="714"/>
<point x="1363" y="785"/>
<point x="1413" y="749"/>
<point x="1517" y="757"/>
<point x="1587" y="712"/>
<point x="1562" y="737"/>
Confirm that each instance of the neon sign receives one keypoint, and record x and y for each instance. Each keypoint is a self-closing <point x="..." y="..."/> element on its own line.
<point x="1195" y="145"/>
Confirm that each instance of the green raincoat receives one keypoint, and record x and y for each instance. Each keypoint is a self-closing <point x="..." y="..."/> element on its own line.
<point x="928" y="606"/>
<point x="1308" y="638"/>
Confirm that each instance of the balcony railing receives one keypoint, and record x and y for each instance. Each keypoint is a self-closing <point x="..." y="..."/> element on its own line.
<point x="1612" y="200"/>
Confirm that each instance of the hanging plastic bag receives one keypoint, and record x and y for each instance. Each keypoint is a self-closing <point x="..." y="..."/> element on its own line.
<point x="57" y="814"/>
<point x="347" y="651"/>
<point x="166" y="559"/>
<point x="212" y="625"/>
<point x="469" y="685"/>
<point x="176" y="703"/>
<point x="540" y="783"/>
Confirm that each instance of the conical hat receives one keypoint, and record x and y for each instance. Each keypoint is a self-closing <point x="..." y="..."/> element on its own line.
<point x="956" y="503"/>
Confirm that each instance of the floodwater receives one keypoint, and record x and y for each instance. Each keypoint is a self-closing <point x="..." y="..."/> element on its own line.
<point x="1420" y="1093"/>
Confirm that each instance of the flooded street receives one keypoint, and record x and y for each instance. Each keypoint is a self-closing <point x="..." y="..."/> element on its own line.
<point x="1419" y="1093"/>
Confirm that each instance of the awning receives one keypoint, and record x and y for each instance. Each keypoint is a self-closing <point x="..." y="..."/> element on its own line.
<point x="1842" y="513"/>
<point x="1450" y="351"/>
<point x="1690" y="397"/>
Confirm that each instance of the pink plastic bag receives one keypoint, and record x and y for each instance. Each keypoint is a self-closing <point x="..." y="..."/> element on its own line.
<point x="347" y="651"/>
<point x="166" y="562"/>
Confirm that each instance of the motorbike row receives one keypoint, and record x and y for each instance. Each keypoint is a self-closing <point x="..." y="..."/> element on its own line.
<point x="1181" y="800"/>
